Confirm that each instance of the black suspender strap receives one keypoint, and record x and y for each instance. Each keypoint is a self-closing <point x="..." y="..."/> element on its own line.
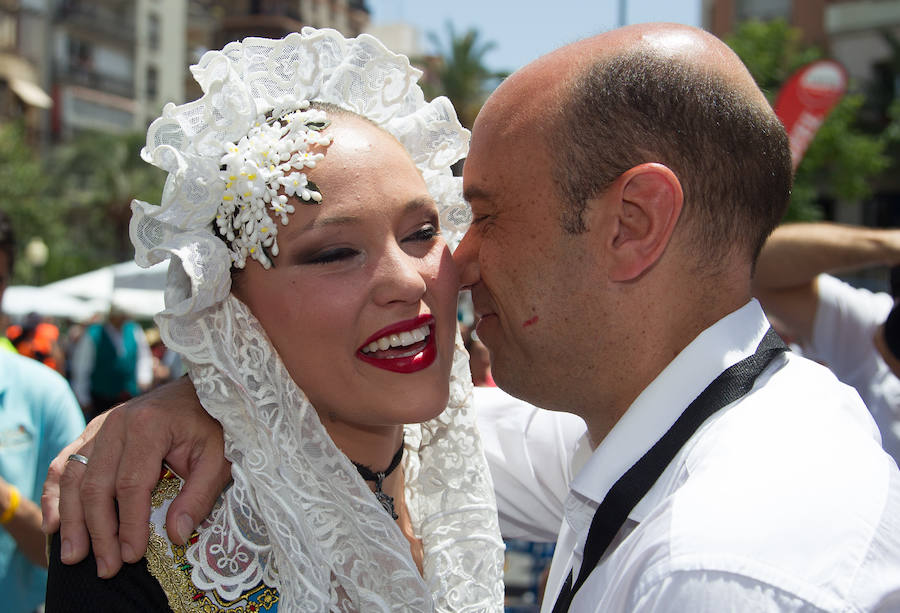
<point x="732" y="384"/>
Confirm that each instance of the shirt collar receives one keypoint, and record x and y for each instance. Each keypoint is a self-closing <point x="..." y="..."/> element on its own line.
<point x="653" y="412"/>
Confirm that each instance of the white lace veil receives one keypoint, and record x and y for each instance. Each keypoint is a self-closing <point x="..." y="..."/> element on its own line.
<point x="298" y="516"/>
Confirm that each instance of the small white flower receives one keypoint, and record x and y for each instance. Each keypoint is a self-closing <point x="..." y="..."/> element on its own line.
<point x="254" y="170"/>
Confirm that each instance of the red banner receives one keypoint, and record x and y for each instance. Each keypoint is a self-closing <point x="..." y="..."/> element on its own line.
<point x="806" y="99"/>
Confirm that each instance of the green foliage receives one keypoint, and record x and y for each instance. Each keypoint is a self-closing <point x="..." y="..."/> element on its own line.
<point x="842" y="158"/>
<point x="842" y="161"/>
<point x="98" y="174"/>
<point x="772" y="51"/>
<point x="461" y="75"/>
<point x="77" y="200"/>
<point x="24" y="197"/>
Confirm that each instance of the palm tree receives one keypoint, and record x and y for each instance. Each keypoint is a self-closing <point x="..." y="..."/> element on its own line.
<point x="460" y="73"/>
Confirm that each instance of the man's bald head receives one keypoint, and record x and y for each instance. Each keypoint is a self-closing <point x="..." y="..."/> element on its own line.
<point x="664" y="93"/>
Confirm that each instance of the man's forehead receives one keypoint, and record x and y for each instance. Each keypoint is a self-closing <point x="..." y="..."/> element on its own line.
<point x="501" y="152"/>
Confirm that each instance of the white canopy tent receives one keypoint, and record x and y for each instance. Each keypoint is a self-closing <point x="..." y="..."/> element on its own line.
<point x="136" y="291"/>
<point x="20" y="300"/>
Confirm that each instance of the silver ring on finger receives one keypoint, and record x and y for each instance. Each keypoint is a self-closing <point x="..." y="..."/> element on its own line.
<point x="77" y="457"/>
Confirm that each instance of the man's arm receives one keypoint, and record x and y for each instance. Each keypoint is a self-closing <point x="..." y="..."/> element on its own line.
<point x="126" y="447"/>
<point x="796" y="254"/>
<point x="533" y="454"/>
<point x="23" y="523"/>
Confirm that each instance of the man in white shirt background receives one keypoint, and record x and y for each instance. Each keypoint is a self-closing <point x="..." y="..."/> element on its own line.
<point x="622" y="187"/>
<point x="834" y="322"/>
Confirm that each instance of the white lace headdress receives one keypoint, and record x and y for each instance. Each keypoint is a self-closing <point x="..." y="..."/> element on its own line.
<point x="298" y="516"/>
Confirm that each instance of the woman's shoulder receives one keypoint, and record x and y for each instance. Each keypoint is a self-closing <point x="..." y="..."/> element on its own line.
<point x="170" y="566"/>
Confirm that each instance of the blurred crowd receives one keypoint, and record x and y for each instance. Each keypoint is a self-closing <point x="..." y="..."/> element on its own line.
<point x="106" y="360"/>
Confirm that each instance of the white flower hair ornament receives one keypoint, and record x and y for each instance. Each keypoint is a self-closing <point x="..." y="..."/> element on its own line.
<point x="256" y="169"/>
<point x="207" y="144"/>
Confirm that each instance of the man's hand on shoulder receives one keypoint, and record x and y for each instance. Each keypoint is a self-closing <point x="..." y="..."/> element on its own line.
<point x="126" y="447"/>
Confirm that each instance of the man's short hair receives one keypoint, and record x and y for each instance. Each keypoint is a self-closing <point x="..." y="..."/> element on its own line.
<point x="730" y="152"/>
<point x="7" y="241"/>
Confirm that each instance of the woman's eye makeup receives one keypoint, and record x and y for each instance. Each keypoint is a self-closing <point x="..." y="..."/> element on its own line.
<point x="426" y="233"/>
<point x="331" y="255"/>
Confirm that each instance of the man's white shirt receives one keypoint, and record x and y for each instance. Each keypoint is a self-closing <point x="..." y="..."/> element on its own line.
<point x="845" y="324"/>
<point x="782" y="501"/>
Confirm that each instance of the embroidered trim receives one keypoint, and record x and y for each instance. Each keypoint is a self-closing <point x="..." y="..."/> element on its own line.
<point x="167" y="488"/>
<point x="174" y="582"/>
<point x="168" y="564"/>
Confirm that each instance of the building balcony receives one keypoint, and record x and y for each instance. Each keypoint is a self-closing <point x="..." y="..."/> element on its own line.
<point x="109" y="21"/>
<point x="264" y="25"/>
<point x="86" y="77"/>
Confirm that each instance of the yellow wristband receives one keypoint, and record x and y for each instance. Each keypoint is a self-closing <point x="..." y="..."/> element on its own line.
<point x="14" y="499"/>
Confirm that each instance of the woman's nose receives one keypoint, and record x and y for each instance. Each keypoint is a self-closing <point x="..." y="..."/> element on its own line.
<point x="399" y="278"/>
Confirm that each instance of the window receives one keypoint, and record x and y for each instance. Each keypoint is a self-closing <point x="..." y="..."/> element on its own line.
<point x="152" y="86"/>
<point x="763" y="9"/>
<point x="80" y="53"/>
<point x="153" y="31"/>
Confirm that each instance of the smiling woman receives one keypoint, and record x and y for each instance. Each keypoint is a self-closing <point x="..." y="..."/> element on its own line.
<point x="312" y="181"/>
<point x="365" y="266"/>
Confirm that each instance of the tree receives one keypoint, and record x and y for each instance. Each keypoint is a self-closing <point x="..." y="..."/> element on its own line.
<point x="24" y="197"/>
<point x="461" y="74"/>
<point x="95" y="176"/>
<point x="77" y="200"/>
<point x="842" y="159"/>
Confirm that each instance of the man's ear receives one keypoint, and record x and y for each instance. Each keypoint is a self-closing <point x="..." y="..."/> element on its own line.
<point x="645" y="203"/>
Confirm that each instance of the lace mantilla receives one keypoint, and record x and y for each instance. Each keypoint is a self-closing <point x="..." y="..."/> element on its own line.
<point x="299" y="516"/>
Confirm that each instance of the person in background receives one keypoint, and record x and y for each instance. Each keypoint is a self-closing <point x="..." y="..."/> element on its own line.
<point x="167" y="364"/>
<point x="6" y="345"/>
<point x="111" y="363"/>
<point x="38" y="339"/>
<point x="8" y="247"/>
<point x="853" y="331"/>
<point x="38" y="417"/>
<point x="479" y="359"/>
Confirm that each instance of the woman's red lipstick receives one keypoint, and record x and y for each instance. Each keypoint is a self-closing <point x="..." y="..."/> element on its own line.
<point x="408" y="359"/>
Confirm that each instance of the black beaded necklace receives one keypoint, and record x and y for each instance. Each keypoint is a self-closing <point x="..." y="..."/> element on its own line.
<point x="366" y="473"/>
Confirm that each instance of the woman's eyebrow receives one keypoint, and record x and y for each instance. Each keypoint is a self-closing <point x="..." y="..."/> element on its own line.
<point x="418" y="203"/>
<point x="321" y="222"/>
<point x="421" y="202"/>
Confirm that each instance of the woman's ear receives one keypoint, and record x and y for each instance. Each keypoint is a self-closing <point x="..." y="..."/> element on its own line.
<point x="646" y="202"/>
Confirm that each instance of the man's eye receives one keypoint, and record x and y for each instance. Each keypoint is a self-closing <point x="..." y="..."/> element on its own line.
<point x="332" y="255"/>
<point x="482" y="221"/>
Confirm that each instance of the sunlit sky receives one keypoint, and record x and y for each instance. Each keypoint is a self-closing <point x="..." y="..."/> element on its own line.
<point x="526" y="29"/>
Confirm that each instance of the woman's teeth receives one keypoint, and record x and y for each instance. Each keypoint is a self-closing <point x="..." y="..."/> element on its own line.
<point x="403" y="339"/>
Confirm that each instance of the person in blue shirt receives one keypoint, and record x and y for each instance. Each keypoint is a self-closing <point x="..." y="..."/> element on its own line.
<point x="38" y="417"/>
